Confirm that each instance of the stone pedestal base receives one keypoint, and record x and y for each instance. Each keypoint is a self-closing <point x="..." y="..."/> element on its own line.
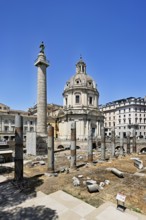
<point x="36" y="144"/>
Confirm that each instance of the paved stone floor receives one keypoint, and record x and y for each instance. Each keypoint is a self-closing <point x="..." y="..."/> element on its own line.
<point x="16" y="205"/>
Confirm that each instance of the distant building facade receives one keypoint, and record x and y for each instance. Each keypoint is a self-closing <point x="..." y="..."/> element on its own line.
<point x="125" y="115"/>
<point x="7" y="122"/>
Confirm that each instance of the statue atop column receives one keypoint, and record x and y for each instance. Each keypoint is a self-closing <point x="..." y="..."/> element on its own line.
<point x="42" y="46"/>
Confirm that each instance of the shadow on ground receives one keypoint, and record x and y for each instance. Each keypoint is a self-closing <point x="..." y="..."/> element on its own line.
<point x="16" y="192"/>
<point x="33" y="213"/>
<point x="5" y="170"/>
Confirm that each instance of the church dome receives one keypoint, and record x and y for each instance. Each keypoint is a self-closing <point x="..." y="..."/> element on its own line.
<point x="81" y="78"/>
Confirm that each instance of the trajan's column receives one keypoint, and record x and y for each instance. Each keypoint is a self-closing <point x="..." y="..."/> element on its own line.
<point x="42" y="65"/>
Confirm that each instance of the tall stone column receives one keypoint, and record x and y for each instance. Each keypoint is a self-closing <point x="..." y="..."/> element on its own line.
<point x="18" y="148"/>
<point x="73" y="145"/>
<point x="42" y="65"/>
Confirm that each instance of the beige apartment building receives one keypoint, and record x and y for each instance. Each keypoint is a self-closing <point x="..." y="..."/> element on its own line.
<point x="7" y="122"/>
<point x="125" y="115"/>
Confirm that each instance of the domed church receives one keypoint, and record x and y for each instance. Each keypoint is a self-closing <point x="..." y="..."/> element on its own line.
<point x="80" y="104"/>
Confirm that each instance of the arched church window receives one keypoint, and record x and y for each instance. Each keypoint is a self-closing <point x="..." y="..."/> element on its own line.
<point x="66" y="100"/>
<point x="89" y="83"/>
<point x="90" y="100"/>
<point x="83" y="68"/>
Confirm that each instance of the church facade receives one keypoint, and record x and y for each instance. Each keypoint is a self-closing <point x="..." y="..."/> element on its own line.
<point x="80" y="104"/>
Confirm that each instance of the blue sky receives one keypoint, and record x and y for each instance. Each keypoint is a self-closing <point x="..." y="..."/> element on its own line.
<point x="109" y="34"/>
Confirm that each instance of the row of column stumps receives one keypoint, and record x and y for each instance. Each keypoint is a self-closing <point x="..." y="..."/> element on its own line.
<point x="134" y="148"/>
<point x="50" y="143"/>
<point x="73" y="164"/>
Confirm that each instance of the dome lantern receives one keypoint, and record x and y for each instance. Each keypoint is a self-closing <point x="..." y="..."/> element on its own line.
<point x="81" y="66"/>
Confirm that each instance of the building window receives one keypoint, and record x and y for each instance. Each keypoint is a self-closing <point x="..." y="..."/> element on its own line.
<point x="77" y="99"/>
<point x="90" y="83"/>
<point x="6" y="121"/>
<point x="31" y="129"/>
<point x="66" y="101"/>
<point x="31" y="122"/>
<point x="93" y="132"/>
<point x="83" y="68"/>
<point x="6" y="128"/>
<point x="90" y="100"/>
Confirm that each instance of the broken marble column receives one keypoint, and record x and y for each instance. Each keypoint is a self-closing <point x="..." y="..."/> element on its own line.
<point x="134" y="141"/>
<point x="50" y="148"/>
<point x="18" y="148"/>
<point x="90" y="148"/>
<point x="138" y="163"/>
<point x="113" y="143"/>
<point x="128" y="142"/>
<point x="73" y="146"/>
<point x="121" y="143"/>
<point x="102" y="143"/>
